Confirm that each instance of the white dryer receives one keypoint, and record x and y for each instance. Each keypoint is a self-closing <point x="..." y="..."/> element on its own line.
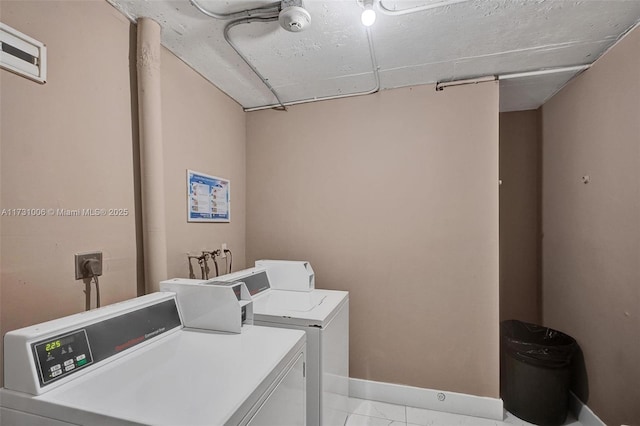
<point x="323" y="315"/>
<point x="135" y="363"/>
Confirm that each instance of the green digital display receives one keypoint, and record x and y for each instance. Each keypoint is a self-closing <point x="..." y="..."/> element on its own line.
<point x="53" y="345"/>
<point x="59" y="356"/>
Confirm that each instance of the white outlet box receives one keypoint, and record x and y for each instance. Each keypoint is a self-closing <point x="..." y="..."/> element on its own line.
<point x="223" y="247"/>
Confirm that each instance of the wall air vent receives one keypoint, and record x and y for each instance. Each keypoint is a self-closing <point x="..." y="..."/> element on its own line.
<point x="22" y="55"/>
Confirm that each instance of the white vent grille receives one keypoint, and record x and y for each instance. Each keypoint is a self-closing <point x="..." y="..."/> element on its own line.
<point x="22" y="54"/>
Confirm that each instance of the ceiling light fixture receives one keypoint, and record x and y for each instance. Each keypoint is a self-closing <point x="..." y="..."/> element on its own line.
<point x="368" y="16"/>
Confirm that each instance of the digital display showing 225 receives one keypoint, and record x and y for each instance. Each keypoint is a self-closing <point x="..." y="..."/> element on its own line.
<point x="53" y="345"/>
<point x="62" y="356"/>
<point x="58" y="343"/>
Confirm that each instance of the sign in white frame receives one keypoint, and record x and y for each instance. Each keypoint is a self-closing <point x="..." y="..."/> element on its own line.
<point x="208" y="198"/>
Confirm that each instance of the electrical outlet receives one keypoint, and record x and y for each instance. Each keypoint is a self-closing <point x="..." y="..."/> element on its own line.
<point x="223" y="248"/>
<point x="81" y="273"/>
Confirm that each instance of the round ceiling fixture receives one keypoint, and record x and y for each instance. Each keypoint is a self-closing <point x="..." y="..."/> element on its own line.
<point x="368" y="16"/>
<point x="294" y="18"/>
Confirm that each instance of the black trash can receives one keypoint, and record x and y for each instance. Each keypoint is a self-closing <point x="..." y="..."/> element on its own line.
<point x="535" y="372"/>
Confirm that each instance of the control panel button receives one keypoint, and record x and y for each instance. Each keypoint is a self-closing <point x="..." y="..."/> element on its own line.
<point x="56" y="355"/>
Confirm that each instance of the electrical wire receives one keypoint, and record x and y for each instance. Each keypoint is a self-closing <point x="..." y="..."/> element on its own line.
<point x="376" y="88"/>
<point x="249" y="16"/>
<point x="95" y="279"/>
<point x="230" y="257"/>
<point x="87" y="293"/>
<point x="89" y="266"/>
<point x="192" y="274"/>
<point x="212" y="254"/>
<point x="263" y="10"/>
<point x="215" y="262"/>
<point x="280" y="105"/>
<point x="202" y="268"/>
<point x="268" y="13"/>
<point x="395" y="12"/>
<point x="206" y="265"/>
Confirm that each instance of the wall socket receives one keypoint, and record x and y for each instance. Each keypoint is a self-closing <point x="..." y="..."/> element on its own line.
<point x="223" y="247"/>
<point x="81" y="273"/>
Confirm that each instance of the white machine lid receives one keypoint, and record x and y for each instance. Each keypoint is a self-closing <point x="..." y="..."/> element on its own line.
<point x="188" y="377"/>
<point x="314" y="308"/>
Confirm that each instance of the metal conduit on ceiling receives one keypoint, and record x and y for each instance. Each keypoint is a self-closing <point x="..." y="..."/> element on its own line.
<point x="227" y="28"/>
<point x="268" y="9"/>
<point x="270" y="13"/>
<point x="376" y="88"/>
<point x="395" y="12"/>
<point x="500" y="38"/>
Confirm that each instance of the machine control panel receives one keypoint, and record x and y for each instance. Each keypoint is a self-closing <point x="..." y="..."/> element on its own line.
<point x="256" y="282"/>
<point x="58" y="356"/>
<point x="67" y="353"/>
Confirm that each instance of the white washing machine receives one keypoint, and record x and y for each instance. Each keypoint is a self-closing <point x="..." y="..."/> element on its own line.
<point x="323" y="315"/>
<point x="135" y="363"/>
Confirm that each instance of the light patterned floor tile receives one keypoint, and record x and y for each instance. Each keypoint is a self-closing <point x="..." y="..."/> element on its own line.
<point x="360" y="420"/>
<point x="375" y="413"/>
<point x="423" y="417"/>
<point x="377" y="409"/>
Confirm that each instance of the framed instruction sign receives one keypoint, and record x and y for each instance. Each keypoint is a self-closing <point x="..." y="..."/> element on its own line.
<point x="208" y="198"/>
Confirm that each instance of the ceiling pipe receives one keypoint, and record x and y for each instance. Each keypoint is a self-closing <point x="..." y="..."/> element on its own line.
<point x="281" y="106"/>
<point x="374" y="65"/>
<point x="151" y="153"/>
<point x="441" y="85"/>
<point x="269" y="13"/>
<point x="259" y="11"/>
<point x="577" y="68"/>
<point x="396" y="12"/>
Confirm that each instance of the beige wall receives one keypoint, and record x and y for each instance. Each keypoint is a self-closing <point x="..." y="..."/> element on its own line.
<point x="591" y="245"/>
<point x="67" y="144"/>
<point x="393" y="197"/>
<point x="1" y="205"/>
<point x="72" y="143"/>
<point x="520" y="216"/>
<point x="203" y="130"/>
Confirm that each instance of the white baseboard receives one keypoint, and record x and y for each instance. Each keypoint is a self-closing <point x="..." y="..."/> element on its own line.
<point x="582" y="413"/>
<point x="429" y="399"/>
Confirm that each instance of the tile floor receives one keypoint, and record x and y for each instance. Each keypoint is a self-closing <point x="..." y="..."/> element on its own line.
<point x="374" y="413"/>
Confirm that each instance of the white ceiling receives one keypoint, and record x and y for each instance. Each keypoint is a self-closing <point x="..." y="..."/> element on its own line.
<point x="464" y="40"/>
